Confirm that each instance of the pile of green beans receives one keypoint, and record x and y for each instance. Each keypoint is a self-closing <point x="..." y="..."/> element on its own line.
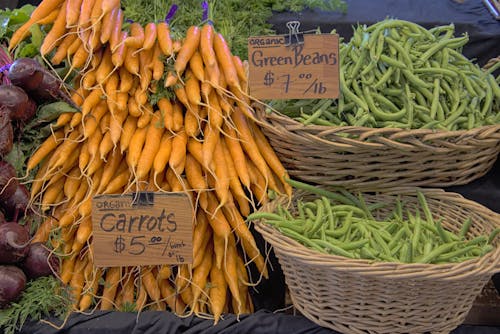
<point x="343" y="224"/>
<point x="398" y="74"/>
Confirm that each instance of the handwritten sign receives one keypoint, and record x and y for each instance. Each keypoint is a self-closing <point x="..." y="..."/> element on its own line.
<point x="145" y="228"/>
<point x="295" y="71"/>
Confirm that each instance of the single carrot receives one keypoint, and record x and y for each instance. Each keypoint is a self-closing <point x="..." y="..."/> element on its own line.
<point x="62" y="49"/>
<point x="200" y="275"/>
<point x="77" y="281"/>
<point x="157" y="63"/>
<point x="219" y="250"/>
<point x="177" y="160"/>
<point x="211" y="138"/>
<point x="111" y="285"/>
<point x="217" y="292"/>
<point x="164" y="38"/>
<point x="246" y="237"/>
<point x="72" y="182"/>
<point x="162" y="157"/>
<point x="216" y="218"/>
<point x="207" y="45"/>
<point x="234" y="182"/>
<point x="110" y="169"/>
<point x="116" y="124"/>
<point x="85" y="13"/>
<point x="107" y="25"/>
<point x="167" y="111"/>
<point x="92" y="100"/>
<point x="82" y="234"/>
<point x="231" y="271"/>
<point x="150" y="35"/>
<point x="68" y="264"/>
<point x="196" y="65"/>
<point x="248" y="142"/>
<point x="129" y="128"/>
<point x="105" y="146"/>
<point x="55" y="34"/>
<point x="116" y="33"/>
<point x="120" y="52"/>
<point x="189" y="46"/>
<point x="90" y="289"/>
<point x="151" y="146"/>
<point x="195" y="178"/>
<point x="225" y="61"/>
<point x="135" y="147"/>
<point x="118" y="182"/>
<point x="240" y="70"/>
<point x="177" y="117"/>
<point x="43" y="150"/>
<point x="221" y="175"/>
<point x="72" y="12"/>
<point x="126" y="79"/>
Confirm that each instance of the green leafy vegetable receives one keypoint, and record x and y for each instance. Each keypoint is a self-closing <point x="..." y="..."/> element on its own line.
<point x="235" y="19"/>
<point x="42" y="298"/>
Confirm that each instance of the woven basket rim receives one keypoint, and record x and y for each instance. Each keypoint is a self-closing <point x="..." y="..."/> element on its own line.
<point x="487" y="264"/>
<point x="262" y="118"/>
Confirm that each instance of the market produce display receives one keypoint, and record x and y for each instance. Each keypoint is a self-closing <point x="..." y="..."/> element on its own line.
<point x="398" y="74"/>
<point x="159" y="101"/>
<point x="159" y="114"/>
<point x="341" y="223"/>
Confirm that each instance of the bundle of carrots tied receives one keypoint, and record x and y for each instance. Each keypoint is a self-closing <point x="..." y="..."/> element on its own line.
<point x="198" y="137"/>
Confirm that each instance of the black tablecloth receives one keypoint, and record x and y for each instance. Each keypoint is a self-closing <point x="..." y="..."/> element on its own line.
<point x="468" y="16"/>
<point x="261" y="322"/>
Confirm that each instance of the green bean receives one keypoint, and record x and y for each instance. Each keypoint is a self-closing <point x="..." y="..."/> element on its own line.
<point x="341" y="231"/>
<point x="456" y="253"/>
<point x="441" y="249"/>
<point x="415" y="79"/>
<point x="386" y="102"/>
<point x="263" y="215"/>
<point x="333" y="248"/>
<point x="292" y="225"/>
<point x="345" y="90"/>
<point x="441" y="44"/>
<point x="441" y="232"/>
<point x="322" y="192"/>
<point x="300" y="238"/>
<point x="493" y="235"/>
<point x="319" y="218"/>
<point x="379" y="114"/>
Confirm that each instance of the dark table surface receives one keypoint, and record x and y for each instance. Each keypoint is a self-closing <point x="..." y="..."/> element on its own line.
<point x="468" y="16"/>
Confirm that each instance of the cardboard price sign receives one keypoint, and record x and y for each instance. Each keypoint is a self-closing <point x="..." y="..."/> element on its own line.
<point x="308" y="70"/>
<point x="144" y="228"/>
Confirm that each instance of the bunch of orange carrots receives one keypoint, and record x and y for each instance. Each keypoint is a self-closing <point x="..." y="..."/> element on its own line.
<point x="202" y="139"/>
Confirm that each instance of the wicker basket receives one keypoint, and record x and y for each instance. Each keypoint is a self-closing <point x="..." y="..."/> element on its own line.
<point x="364" y="157"/>
<point x="361" y="296"/>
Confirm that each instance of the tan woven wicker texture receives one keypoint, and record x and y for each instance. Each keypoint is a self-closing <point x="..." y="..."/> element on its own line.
<point x="387" y="157"/>
<point x="360" y="296"/>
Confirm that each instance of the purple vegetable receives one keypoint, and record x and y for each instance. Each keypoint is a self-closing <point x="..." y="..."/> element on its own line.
<point x="8" y="181"/>
<point x="26" y="73"/>
<point x="17" y="204"/>
<point x="21" y="106"/>
<point x="6" y="132"/>
<point x="39" y="262"/>
<point x="14" y="242"/>
<point x="12" y="284"/>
